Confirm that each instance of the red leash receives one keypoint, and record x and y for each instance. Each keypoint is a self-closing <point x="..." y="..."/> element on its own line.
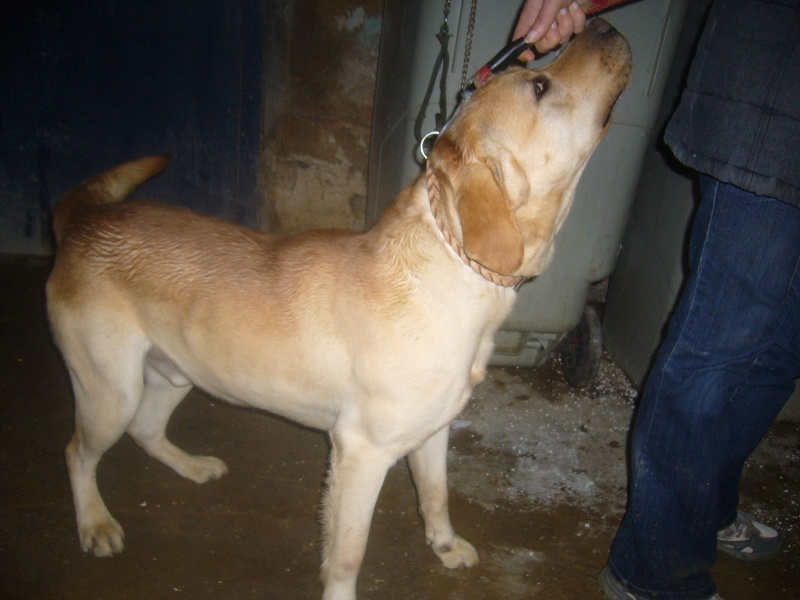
<point x="517" y="47"/>
<point x="591" y="7"/>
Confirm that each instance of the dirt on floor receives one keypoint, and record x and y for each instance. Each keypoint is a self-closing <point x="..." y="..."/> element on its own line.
<point x="538" y="484"/>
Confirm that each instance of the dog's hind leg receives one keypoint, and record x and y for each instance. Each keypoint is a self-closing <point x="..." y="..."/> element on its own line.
<point x="358" y="469"/>
<point x="164" y="388"/>
<point x="107" y="392"/>
<point x="429" y="469"/>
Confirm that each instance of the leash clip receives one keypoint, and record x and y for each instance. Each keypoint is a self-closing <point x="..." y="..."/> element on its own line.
<point x="428" y="136"/>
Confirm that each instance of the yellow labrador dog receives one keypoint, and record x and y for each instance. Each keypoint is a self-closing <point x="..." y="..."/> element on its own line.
<point x="377" y="337"/>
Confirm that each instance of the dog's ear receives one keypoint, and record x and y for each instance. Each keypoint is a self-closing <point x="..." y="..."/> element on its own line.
<point x="491" y="234"/>
<point x="482" y="205"/>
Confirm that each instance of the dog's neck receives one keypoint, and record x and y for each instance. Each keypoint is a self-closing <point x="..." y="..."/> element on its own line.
<point x="512" y="281"/>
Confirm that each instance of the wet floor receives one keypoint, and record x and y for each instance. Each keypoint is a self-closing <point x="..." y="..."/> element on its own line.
<point x="538" y="486"/>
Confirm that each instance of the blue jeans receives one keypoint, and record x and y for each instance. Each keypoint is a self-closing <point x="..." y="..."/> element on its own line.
<point x="723" y="373"/>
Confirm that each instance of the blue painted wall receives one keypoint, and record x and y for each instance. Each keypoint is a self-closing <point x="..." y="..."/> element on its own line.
<point x="86" y="85"/>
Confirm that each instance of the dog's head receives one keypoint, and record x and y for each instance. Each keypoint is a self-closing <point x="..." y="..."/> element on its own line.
<point x="509" y="164"/>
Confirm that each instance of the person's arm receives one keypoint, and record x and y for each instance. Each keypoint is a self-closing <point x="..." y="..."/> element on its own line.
<point x="548" y="23"/>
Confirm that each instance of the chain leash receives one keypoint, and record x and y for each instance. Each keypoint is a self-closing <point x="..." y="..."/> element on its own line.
<point x="473" y="10"/>
<point x="440" y="68"/>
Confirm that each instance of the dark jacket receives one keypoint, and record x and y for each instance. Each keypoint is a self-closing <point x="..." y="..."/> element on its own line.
<point x="739" y="117"/>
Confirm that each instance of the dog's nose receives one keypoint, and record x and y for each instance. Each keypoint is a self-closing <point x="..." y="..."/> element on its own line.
<point x="599" y="26"/>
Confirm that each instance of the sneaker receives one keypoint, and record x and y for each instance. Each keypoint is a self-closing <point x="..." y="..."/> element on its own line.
<point x="747" y="539"/>
<point x="614" y="590"/>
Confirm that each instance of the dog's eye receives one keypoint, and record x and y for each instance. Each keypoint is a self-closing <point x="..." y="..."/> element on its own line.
<point x="540" y="86"/>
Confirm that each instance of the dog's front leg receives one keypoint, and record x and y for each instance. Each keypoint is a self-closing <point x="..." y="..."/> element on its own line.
<point x="358" y="468"/>
<point x="429" y="468"/>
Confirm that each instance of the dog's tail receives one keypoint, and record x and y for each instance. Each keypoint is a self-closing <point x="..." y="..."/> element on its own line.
<point x="108" y="187"/>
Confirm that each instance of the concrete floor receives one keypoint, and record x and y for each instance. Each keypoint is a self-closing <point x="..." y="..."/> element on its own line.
<point x="537" y="477"/>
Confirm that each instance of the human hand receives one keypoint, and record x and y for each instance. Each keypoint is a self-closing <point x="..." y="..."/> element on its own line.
<point x="548" y="23"/>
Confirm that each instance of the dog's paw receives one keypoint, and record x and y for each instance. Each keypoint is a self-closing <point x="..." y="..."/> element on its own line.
<point x="460" y="554"/>
<point x="103" y="538"/>
<point x="201" y="469"/>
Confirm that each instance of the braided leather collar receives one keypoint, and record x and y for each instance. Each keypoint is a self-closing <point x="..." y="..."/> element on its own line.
<point x="512" y="281"/>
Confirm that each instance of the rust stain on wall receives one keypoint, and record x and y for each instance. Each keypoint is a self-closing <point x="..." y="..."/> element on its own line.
<point x="317" y="150"/>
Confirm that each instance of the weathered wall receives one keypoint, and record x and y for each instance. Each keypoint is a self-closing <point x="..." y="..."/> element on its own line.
<point x="265" y="106"/>
<point x="318" y="122"/>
